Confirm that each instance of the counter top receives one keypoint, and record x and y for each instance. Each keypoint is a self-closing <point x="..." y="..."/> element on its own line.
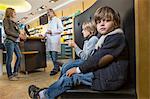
<point x="35" y="37"/>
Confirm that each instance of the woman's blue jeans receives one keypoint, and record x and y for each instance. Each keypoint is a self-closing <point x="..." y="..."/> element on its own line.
<point x="70" y="64"/>
<point x="64" y="83"/>
<point x="10" y="48"/>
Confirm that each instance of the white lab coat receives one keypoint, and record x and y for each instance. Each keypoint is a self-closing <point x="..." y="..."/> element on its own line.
<point x="53" y="40"/>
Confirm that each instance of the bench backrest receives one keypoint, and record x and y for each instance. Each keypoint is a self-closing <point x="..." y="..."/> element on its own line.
<point x="126" y="10"/>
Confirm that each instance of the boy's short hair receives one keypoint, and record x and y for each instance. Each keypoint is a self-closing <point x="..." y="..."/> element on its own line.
<point x="89" y="26"/>
<point x="107" y="12"/>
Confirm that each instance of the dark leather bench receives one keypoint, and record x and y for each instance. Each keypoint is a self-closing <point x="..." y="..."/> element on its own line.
<point x="87" y="93"/>
<point x="128" y="91"/>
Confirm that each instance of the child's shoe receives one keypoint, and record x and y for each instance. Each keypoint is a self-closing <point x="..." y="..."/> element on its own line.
<point x="33" y="92"/>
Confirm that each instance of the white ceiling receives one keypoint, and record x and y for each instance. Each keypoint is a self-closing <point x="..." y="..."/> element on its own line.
<point x="37" y="4"/>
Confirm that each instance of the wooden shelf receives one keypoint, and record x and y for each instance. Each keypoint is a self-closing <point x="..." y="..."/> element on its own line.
<point x="66" y="34"/>
<point x="27" y="52"/>
<point x="67" y="23"/>
<point x="68" y="29"/>
<point x="66" y="18"/>
<point x="30" y="52"/>
<point x="34" y="37"/>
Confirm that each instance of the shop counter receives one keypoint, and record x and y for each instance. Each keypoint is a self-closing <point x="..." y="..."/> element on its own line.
<point x="33" y="54"/>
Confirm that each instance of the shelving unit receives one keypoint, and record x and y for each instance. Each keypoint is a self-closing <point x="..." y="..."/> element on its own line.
<point x="67" y="34"/>
<point x="36" y="30"/>
<point x="66" y="51"/>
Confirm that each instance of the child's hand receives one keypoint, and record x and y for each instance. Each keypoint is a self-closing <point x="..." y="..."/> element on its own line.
<point x="71" y="71"/>
<point x="71" y="43"/>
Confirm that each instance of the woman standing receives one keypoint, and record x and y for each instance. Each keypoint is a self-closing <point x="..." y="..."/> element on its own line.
<point x="13" y="37"/>
<point x="53" y="32"/>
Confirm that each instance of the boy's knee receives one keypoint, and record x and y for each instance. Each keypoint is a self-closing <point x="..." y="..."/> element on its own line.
<point x="66" y="81"/>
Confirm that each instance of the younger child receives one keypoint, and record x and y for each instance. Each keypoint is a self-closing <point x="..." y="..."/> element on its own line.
<point x="89" y="32"/>
<point x="106" y="69"/>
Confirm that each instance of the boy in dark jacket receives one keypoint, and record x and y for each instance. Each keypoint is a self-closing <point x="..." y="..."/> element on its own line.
<point x="105" y="70"/>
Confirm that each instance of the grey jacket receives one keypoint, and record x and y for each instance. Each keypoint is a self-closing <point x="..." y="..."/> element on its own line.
<point x="88" y="47"/>
<point x="11" y="29"/>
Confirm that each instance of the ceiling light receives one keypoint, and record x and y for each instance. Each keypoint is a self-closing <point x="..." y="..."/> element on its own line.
<point x="51" y="1"/>
<point x="55" y="8"/>
<point x="43" y="6"/>
<point x="31" y="13"/>
<point x="18" y="5"/>
<point x="61" y="5"/>
<point x="39" y="9"/>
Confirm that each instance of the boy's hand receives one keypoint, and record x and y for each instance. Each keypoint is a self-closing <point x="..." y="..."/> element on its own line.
<point x="71" y="43"/>
<point x="71" y="71"/>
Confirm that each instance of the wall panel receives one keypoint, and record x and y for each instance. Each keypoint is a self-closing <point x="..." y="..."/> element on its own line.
<point x="88" y="3"/>
<point x="58" y="13"/>
<point x="143" y="48"/>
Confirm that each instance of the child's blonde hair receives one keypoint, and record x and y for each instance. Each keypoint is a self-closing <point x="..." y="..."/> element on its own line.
<point x="107" y="13"/>
<point x="90" y="27"/>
